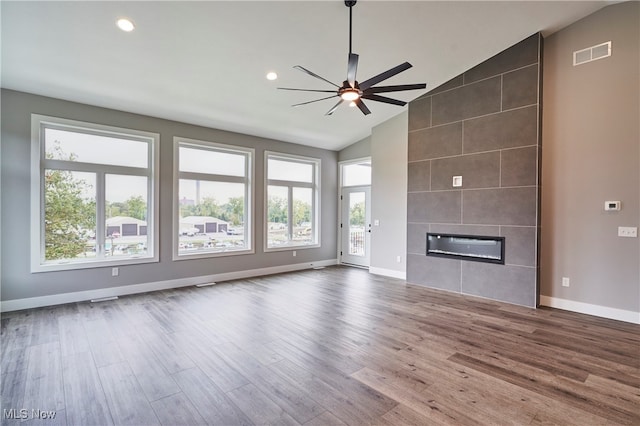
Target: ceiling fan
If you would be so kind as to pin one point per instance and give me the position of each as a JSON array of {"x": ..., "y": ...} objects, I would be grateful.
[{"x": 353, "y": 91}]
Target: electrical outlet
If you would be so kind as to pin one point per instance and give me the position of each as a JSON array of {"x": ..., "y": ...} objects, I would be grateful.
[
  {"x": 627, "y": 231},
  {"x": 398, "y": 259},
  {"x": 294, "y": 253},
  {"x": 565, "y": 281},
  {"x": 115, "y": 272}
]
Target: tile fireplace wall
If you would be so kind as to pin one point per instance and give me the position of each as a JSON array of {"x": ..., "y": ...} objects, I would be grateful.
[{"x": 483, "y": 125}]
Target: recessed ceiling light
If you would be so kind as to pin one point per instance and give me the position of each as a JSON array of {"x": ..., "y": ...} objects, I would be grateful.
[
  {"x": 125, "y": 24},
  {"x": 272, "y": 76}
]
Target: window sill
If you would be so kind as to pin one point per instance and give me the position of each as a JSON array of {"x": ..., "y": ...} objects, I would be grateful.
[{"x": 71, "y": 266}]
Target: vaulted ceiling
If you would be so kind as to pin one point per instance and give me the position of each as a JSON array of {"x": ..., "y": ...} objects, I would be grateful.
[{"x": 205, "y": 62}]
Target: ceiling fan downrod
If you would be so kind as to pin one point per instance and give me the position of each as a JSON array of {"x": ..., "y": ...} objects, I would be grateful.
[{"x": 350, "y": 4}]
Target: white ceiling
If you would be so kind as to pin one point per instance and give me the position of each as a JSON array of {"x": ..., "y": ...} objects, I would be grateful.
[{"x": 205, "y": 62}]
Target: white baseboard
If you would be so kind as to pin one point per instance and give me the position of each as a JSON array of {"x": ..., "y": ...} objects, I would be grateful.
[
  {"x": 589, "y": 309},
  {"x": 80, "y": 296},
  {"x": 402, "y": 275}
]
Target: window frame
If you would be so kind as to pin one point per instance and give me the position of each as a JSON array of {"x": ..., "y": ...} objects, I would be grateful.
[
  {"x": 315, "y": 197},
  {"x": 347, "y": 163},
  {"x": 248, "y": 181},
  {"x": 39, "y": 123}
]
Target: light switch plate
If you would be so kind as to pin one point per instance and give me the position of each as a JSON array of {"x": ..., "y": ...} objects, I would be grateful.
[{"x": 628, "y": 231}]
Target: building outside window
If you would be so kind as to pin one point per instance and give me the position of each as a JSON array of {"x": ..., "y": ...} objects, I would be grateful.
[
  {"x": 213, "y": 198},
  {"x": 93, "y": 195},
  {"x": 292, "y": 201}
]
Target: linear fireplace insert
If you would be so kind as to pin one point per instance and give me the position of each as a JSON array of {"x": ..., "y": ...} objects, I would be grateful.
[{"x": 479, "y": 248}]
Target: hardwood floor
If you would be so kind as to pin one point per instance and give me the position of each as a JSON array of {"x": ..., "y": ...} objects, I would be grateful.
[{"x": 320, "y": 347}]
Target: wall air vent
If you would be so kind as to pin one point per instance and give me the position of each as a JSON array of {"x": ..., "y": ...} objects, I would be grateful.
[{"x": 599, "y": 51}]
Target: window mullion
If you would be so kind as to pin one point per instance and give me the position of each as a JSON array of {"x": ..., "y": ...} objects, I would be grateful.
[
  {"x": 212, "y": 177},
  {"x": 290, "y": 213},
  {"x": 100, "y": 214},
  {"x": 77, "y": 166},
  {"x": 278, "y": 182}
]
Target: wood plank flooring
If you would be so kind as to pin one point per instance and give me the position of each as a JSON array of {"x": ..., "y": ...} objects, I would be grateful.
[{"x": 320, "y": 347}]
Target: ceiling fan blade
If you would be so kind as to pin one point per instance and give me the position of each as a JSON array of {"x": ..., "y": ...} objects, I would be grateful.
[
  {"x": 360, "y": 104},
  {"x": 384, "y": 99},
  {"x": 385, "y": 75},
  {"x": 307, "y": 90},
  {"x": 316, "y": 100},
  {"x": 352, "y": 69},
  {"x": 335, "y": 107},
  {"x": 398, "y": 88},
  {"x": 303, "y": 69}
]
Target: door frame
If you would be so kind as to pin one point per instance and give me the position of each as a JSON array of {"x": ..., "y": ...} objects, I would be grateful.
[{"x": 339, "y": 212}]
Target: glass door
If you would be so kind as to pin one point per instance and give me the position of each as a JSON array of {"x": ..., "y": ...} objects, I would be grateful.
[{"x": 355, "y": 225}]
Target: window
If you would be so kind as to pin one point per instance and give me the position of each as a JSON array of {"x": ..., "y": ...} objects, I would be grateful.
[
  {"x": 212, "y": 199},
  {"x": 356, "y": 173},
  {"x": 292, "y": 201},
  {"x": 93, "y": 195}
]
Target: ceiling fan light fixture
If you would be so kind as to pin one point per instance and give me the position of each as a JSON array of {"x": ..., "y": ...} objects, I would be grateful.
[{"x": 350, "y": 95}]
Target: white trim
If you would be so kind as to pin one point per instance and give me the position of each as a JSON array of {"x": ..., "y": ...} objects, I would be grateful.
[
  {"x": 249, "y": 194},
  {"x": 81, "y": 296},
  {"x": 37, "y": 197},
  {"x": 401, "y": 275},
  {"x": 341, "y": 164},
  {"x": 589, "y": 309},
  {"x": 315, "y": 186}
]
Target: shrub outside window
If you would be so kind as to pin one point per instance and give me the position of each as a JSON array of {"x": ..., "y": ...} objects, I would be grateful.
[
  {"x": 212, "y": 199},
  {"x": 93, "y": 195},
  {"x": 292, "y": 201}
]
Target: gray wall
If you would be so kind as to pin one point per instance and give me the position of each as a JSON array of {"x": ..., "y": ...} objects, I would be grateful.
[
  {"x": 18, "y": 282},
  {"x": 484, "y": 126},
  {"x": 591, "y": 155},
  {"x": 360, "y": 149},
  {"x": 389, "y": 196}
]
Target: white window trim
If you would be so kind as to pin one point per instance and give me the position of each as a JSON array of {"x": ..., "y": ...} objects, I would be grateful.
[
  {"x": 315, "y": 210},
  {"x": 249, "y": 196},
  {"x": 38, "y": 163},
  {"x": 341, "y": 165}
]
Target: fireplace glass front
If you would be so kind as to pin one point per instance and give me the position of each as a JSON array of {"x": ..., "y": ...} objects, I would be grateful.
[{"x": 478, "y": 248}]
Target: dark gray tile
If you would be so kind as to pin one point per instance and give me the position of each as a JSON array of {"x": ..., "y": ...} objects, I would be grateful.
[
  {"x": 441, "y": 141},
  {"x": 504, "y": 206},
  {"x": 420, "y": 113},
  {"x": 489, "y": 230},
  {"x": 451, "y": 84},
  {"x": 510, "y": 129},
  {"x": 519, "y": 167},
  {"x": 520, "y": 245},
  {"x": 417, "y": 238},
  {"x": 419, "y": 176},
  {"x": 517, "y": 56},
  {"x": 513, "y": 284},
  {"x": 434, "y": 207},
  {"x": 520, "y": 87},
  {"x": 435, "y": 272},
  {"x": 477, "y": 171},
  {"x": 465, "y": 102}
]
